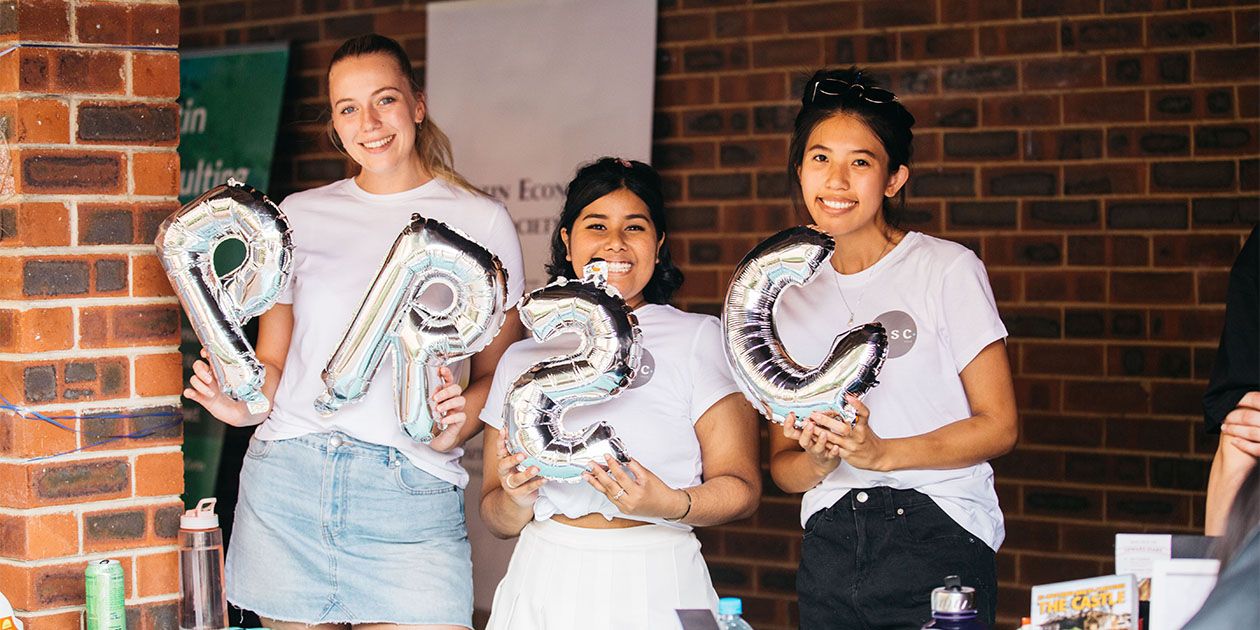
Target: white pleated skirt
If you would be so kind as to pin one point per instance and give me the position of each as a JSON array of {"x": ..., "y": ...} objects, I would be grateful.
[{"x": 571, "y": 578}]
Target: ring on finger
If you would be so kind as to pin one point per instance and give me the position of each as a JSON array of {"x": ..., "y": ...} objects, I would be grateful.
[
  {"x": 620, "y": 493},
  {"x": 508, "y": 482}
]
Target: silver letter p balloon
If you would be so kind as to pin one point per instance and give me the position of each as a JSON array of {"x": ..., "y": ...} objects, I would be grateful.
[
  {"x": 217, "y": 306},
  {"x": 603, "y": 364},
  {"x": 773, "y": 382},
  {"x": 424, "y": 335}
]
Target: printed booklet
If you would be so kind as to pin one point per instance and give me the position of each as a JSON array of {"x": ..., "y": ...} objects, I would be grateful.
[{"x": 1102, "y": 603}]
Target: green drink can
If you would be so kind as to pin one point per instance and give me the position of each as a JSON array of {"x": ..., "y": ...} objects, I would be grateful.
[{"x": 105, "y": 592}]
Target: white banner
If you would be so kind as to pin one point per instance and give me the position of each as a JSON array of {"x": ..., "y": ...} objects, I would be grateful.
[{"x": 527, "y": 90}]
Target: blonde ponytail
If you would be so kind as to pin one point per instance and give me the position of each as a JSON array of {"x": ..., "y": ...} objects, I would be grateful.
[{"x": 434, "y": 149}]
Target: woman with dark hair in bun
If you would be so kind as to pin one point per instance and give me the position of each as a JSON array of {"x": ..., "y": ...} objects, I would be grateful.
[
  {"x": 904, "y": 496},
  {"x": 618, "y": 550}
]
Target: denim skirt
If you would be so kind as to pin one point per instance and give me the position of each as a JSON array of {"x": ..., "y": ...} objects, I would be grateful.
[{"x": 330, "y": 529}]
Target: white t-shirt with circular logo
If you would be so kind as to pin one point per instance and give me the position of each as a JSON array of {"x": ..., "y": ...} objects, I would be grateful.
[
  {"x": 934, "y": 300},
  {"x": 682, "y": 374},
  {"x": 341, "y": 236}
]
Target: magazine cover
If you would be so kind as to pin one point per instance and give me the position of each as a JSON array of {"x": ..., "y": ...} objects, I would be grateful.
[{"x": 1101, "y": 603}]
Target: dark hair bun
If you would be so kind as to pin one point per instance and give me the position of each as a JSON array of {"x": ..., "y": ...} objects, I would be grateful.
[{"x": 852, "y": 92}]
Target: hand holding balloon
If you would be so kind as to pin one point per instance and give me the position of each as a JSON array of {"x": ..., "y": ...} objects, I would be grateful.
[
  {"x": 204, "y": 389},
  {"x": 815, "y": 440},
  {"x": 448, "y": 404},
  {"x": 855, "y": 443},
  {"x": 643, "y": 494},
  {"x": 520, "y": 485},
  {"x": 218, "y": 307}
]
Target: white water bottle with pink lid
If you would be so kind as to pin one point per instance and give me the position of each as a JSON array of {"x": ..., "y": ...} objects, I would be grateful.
[{"x": 202, "y": 597}]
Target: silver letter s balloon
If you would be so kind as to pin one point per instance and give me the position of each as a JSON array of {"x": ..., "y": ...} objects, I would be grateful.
[
  {"x": 771, "y": 380},
  {"x": 218, "y": 307},
  {"x": 428, "y": 254},
  {"x": 604, "y": 363}
]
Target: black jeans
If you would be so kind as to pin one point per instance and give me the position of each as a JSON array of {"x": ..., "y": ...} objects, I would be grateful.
[{"x": 872, "y": 559}]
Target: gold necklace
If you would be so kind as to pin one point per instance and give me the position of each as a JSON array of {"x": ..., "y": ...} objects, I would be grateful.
[{"x": 856, "y": 305}]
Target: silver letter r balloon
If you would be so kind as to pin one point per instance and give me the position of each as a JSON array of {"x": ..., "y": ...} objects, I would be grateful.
[
  {"x": 218, "y": 307},
  {"x": 604, "y": 363},
  {"x": 773, "y": 382},
  {"x": 396, "y": 315}
]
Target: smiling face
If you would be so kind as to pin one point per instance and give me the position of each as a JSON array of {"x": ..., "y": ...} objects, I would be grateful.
[
  {"x": 618, "y": 228},
  {"x": 844, "y": 178},
  {"x": 374, "y": 112}
]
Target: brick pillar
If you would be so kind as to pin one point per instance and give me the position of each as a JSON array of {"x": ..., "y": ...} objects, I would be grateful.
[{"x": 88, "y": 324}]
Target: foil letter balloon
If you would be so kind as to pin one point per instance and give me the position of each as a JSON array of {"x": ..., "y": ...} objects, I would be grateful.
[
  {"x": 604, "y": 363},
  {"x": 217, "y": 306},
  {"x": 396, "y": 314},
  {"x": 771, "y": 380}
]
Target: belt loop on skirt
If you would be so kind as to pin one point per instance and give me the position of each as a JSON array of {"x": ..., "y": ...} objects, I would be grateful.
[
  {"x": 886, "y": 495},
  {"x": 393, "y": 457}
]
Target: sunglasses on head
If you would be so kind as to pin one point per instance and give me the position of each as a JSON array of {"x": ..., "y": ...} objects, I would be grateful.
[{"x": 827, "y": 89}]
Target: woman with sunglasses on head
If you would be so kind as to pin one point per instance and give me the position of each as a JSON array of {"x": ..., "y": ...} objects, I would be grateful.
[
  {"x": 617, "y": 550},
  {"x": 904, "y": 496},
  {"x": 345, "y": 520}
]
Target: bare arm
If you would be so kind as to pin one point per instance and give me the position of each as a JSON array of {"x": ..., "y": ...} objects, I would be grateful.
[
  {"x": 800, "y": 458},
  {"x": 990, "y": 432},
  {"x": 732, "y": 474},
  {"x": 507, "y": 495},
  {"x": 1235, "y": 457},
  {"x": 727, "y": 433},
  {"x": 275, "y": 330}
]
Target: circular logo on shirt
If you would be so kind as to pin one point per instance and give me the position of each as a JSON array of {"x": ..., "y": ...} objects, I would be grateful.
[
  {"x": 902, "y": 332},
  {"x": 647, "y": 367}
]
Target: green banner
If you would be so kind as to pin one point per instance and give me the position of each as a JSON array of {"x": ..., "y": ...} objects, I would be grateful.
[{"x": 229, "y": 101}]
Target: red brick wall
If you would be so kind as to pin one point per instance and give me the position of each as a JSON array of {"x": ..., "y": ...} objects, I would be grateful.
[
  {"x": 1100, "y": 155},
  {"x": 88, "y": 325}
]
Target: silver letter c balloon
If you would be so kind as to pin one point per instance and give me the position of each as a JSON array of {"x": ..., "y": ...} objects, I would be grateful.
[
  {"x": 217, "y": 306},
  {"x": 424, "y": 337},
  {"x": 604, "y": 363},
  {"x": 771, "y": 380}
]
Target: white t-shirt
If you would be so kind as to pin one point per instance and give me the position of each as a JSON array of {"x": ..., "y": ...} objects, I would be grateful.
[
  {"x": 682, "y": 374},
  {"x": 933, "y": 297},
  {"x": 341, "y": 236}
]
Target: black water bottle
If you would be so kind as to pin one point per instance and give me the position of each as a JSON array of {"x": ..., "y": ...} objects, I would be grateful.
[{"x": 954, "y": 607}]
